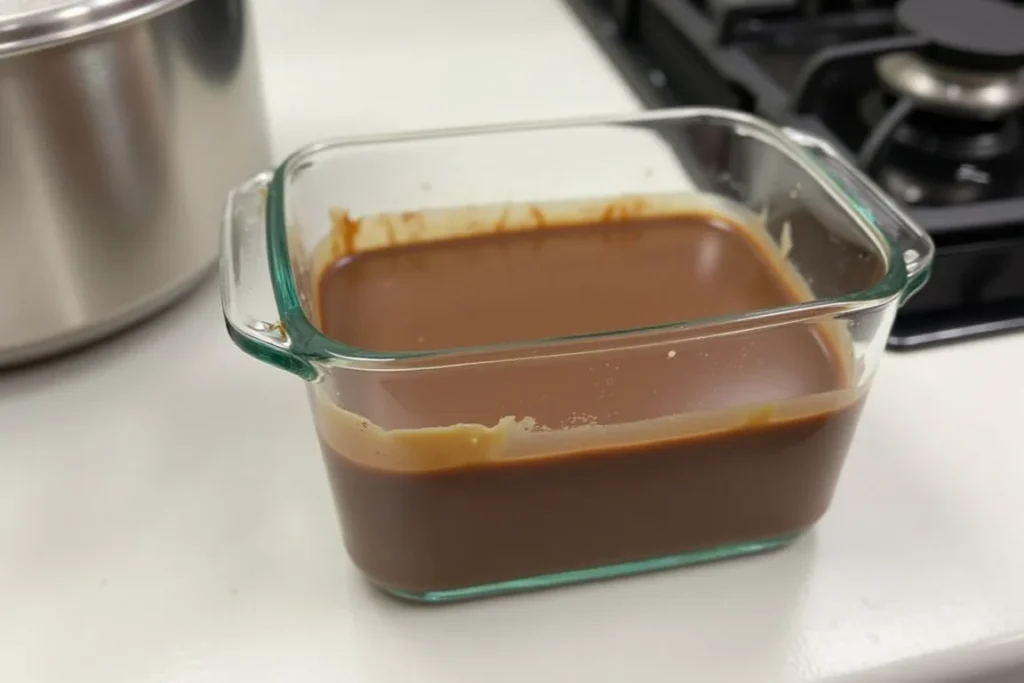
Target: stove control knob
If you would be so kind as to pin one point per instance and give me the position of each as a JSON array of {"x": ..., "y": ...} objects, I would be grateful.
[{"x": 972, "y": 35}]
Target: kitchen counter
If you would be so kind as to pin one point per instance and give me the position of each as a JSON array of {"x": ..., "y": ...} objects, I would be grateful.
[{"x": 164, "y": 515}]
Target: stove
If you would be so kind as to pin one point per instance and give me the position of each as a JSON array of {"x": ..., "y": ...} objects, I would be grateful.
[{"x": 926, "y": 96}]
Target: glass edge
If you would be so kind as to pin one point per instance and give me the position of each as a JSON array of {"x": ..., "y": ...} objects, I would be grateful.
[
  {"x": 896, "y": 278},
  {"x": 309, "y": 343}
]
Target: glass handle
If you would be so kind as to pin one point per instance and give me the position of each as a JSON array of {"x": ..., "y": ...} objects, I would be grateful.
[
  {"x": 246, "y": 291},
  {"x": 914, "y": 243}
]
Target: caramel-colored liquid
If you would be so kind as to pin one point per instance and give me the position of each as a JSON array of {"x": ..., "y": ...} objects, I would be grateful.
[{"x": 604, "y": 460}]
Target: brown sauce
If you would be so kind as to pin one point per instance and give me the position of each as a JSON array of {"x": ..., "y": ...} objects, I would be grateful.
[{"x": 469, "y": 476}]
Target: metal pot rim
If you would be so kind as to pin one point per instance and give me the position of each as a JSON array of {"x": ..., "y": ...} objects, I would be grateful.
[{"x": 33, "y": 30}]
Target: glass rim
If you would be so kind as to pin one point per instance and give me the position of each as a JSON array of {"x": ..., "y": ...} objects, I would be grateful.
[{"x": 308, "y": 342}]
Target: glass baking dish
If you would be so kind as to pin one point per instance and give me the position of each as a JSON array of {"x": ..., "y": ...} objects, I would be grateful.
[{"x": 440, "y": 499}]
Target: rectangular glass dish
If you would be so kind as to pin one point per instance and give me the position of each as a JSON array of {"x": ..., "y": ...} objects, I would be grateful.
[{"x": 715, "y": 424}]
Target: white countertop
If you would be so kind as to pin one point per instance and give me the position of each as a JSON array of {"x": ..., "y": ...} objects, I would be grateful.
[{"x": 164, "y": 515}]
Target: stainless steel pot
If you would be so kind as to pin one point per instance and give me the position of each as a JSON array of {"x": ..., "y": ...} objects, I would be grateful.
[{"x": 122, "y": 126}]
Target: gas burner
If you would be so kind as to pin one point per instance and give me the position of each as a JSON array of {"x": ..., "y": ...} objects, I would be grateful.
[
  {"x": 958, "y": 139},
  {"x": 962, "y": 93},
  {"x": 937, "y": 182},
  {"x": 929, "y": 159},
  {"x": 981, "y": 36},
  {"x": 950, "y": 104},
  {"x": 927, "y": 95}
]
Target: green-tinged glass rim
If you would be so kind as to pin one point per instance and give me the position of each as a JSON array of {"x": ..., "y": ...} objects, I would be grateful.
[{"x": 308, "y": 343}]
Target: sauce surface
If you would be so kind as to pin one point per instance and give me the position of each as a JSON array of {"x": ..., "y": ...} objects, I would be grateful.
[
  {"x": 545, "y": 283},
  {"x": 468, "y": 502}
]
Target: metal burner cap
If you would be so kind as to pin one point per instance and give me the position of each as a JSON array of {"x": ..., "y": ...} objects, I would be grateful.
[
  {"x": 975, "y": 35},
  {"x": 942, "y": 89}
]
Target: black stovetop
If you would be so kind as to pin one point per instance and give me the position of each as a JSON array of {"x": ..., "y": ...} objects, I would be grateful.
[{"x": 812, "y": 65}]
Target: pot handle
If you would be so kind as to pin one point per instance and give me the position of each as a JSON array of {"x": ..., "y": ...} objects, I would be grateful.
[
  {"x": 246, "y": 291},
  {"x": 914, "y": 243}
]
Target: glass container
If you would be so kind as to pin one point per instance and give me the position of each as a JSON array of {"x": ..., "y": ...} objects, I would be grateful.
[{"x": 448, "y": 482}]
